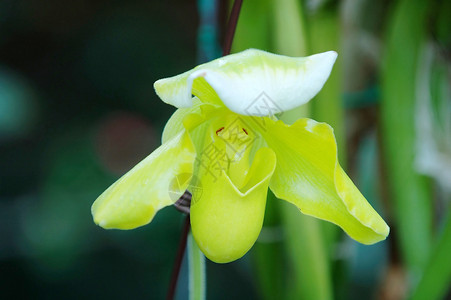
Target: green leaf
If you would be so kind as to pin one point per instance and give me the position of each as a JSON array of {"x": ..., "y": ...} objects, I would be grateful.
[
  {"x": 437, "y": 275},
  {"x": 410, "y": 192}
]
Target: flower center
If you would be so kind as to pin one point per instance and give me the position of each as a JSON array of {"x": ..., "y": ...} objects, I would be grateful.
[
  {"x": 219, "y": 130},
  {"x": 236, "y": 140},
  {"x": 222, "y": 128},
  {"x": 227, "y": 149}
]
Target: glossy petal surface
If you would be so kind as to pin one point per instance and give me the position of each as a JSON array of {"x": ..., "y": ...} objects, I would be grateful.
[
  {"x": 226, "y": 216},
  {"x": 252, "y": 82},
  {"x": 157, "y": 181},
  {"x": 309, "y": 176}
]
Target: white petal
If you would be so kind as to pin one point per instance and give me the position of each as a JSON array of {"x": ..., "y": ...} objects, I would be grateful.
[{"x": 252, "y": 82}]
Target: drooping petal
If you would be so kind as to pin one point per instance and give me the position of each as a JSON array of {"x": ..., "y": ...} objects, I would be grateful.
[
  {"x": 226, "y": 220},
  {"x": 157, "y": 181},
  {"x": 252, "y": 82},
  {"x": 309, "y": 176}
]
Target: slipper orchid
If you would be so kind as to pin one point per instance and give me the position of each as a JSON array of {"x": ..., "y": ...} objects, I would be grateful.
[{"x": 226, "y": 146}]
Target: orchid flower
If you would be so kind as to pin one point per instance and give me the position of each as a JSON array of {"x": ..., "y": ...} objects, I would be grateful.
[{"x": 226, "y": 146}]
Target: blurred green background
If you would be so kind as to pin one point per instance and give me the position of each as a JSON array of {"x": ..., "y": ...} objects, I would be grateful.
[{"x": 78, "y": 109}]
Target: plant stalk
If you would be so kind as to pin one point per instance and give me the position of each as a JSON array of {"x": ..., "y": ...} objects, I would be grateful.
[{"x": 231, "y": 28}]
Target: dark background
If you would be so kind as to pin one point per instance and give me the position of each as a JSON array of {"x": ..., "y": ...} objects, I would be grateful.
[{"x": 78, "y": 109}]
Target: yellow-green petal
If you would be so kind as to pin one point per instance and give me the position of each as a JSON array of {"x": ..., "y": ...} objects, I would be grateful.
[
  {"x": 157, "y": 181},
  {"x": 309, "y": 176},
  {"x": 252, "y": 82},
  {"x": 176, "y": 122},
  {"x": 226, "y": 220}
]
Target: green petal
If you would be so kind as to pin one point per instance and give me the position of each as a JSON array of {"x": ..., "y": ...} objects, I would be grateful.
[
  {"x": 175, "y": 123},
  {"x": 308, "y": 175},
  {"x": 157, "y": 181},
  {"x": 225, "y": 220},
  {"x": 195, "y": 119},
  {"x": 252, "y": 82}
]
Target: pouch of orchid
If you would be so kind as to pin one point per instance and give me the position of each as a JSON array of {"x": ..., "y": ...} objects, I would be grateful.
[{"x": 227, "y": 147}]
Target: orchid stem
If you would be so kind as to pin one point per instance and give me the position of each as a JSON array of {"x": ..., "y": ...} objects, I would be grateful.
[
  {"x": 231, "y": 27},
  {"x": 178, "y": 259},
  {"x": 196, "y": 267}
]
